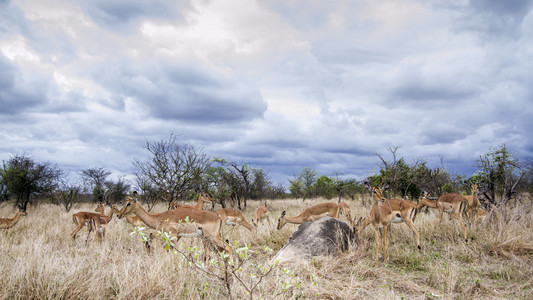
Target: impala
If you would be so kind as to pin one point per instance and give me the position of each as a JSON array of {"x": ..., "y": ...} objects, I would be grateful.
[
  {"x": 202, "y": 198},
  {"x": 403, "y": 211},
  {"x": 454, "y": 204},
  {"x": 82, "y": 218},
  {"x": 6, "y": 223},
  {"x": 99, "y": 224},
  {"x": 311, "y": 214},
  {"x": 473, "y": 203},
  {"x": 261, "y": 213},
  {"x": 132, "y": 219},
  {"x": 181, "y": 222},
  {"x": 380, "y": 216},
  {"x": 346, "y": 212},
  {"x": 233, "y": 217},
  {"x": 481, "y": 215}
]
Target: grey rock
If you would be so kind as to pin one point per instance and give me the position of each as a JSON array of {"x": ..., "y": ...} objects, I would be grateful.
[{"x": 326, "y": 236}]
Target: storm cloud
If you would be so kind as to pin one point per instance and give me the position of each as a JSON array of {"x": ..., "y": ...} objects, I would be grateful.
[{"x": 280, "y": 85}]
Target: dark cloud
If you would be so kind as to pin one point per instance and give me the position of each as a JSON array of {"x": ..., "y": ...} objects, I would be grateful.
[
  {"x": 12, "y": 19},
  {"x": 182, "y": 92},
  {"x": 495, "y": 18},
  {"x": 125, "y": 15},
  {"x": 17, "y": 93}
]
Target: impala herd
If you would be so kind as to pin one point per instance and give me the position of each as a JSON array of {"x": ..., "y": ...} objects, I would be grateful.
[{"x": 193, "y": 221}]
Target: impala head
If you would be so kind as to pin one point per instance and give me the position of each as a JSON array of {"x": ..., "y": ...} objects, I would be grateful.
[
  {"x": 356, "y": 226},
  {"x": 281, "y": 220},
  {"x": 128, "y": 207},
  {"x": 205, "y": 197},
  {"x": 100, "y": 208},
  {"x": 377, "y": 194},
  {"x": 474, "y": 189}
]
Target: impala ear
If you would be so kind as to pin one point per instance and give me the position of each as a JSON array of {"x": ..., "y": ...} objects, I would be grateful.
[
  {"x": 282, "y": 214},
  {"x": 385, "y": 186},
  {"x": 368, "y": 186}
]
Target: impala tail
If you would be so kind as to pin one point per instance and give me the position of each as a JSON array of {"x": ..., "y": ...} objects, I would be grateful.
[{"x": 414, "y": 213}]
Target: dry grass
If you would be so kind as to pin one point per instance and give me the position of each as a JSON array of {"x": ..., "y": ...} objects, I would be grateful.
[{"x": 40, "y": 261}]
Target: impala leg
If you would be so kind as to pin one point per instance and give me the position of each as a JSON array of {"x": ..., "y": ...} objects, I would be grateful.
[
  {"x": 376, "y": 236},
  {"x": 414, "y": 230},
  {"x": 386, "y": 243},
  {"x": 78, "y": 228}
]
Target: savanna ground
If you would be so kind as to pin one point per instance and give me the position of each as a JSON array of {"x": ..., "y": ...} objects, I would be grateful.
[{"x": 39, "y": 261}]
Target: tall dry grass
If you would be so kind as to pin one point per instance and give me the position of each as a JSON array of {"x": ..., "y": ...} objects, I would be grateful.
[{"x": 39, "y": 260}]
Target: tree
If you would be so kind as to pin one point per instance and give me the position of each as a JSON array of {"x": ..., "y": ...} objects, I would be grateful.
[
  {"x": 115, "y": 191},
  {"x": 303, "y": 183},
  {"x": 499, "y": 175},
  {"x": 148, "y": 193},
  {"x": 325, "y": 187},
  {"x": 260, "y": 183},
  {"x": 172, "y": 167},
  {"x": 24, "y": 178},
  {"x": 296, "y": 187},
  {"x": 94, "y": 179},
  {"x": 67, "y": 194}
]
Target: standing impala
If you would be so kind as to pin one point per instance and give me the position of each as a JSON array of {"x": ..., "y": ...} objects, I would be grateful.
[
  {"x": 99, "y": 224},
  {"x": 6, "y": 223},
  {"x": 473, "y": 204},
  {"x": 311, "y": 214},
  {"x": 181, "y": 222},
  {"x": 407, "y": 211},
  {"x": 380, "y": 217},
  {"x": 82, "y": 218}
]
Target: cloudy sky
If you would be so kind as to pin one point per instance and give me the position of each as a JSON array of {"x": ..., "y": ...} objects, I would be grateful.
[{"x": 276, "y": 84}]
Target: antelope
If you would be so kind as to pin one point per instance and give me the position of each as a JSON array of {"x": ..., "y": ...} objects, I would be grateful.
[
  {"x": 407, "y": 212},
  {"x": 202, "y": 198},
  {"x": 233, "y": 217},
  {"x": 99, "y": 224},
  {"x": 6, "y": 223},
  {"x": 82, "y": 218},
  {"x": 481, "y": 215},
  {"x": 311, "y": 214},
  {"x": 346, "y": 212},
  {"x": 181, "y": 222},
  {"x": 381, "y": 216},
  {"x": 132, "y": 219},
  {"x": 454, "y": 204},
  {"x": 473, "y": 204},
  {"x": 261, "y": 213}
]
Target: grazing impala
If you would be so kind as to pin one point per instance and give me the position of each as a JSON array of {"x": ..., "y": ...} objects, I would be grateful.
[
  {"x": 311, "y": 214},
  {"x": 380, "y": 217},
  {"x": 233, "y": 217},
  {"x": 345, "y": 211},
  {"x": 132, "y": 219},
  {"x": 261, "y": 213},
  {"x": 481, "y": 215},
  {"x": 454, "y": 204},
  {"x": 202, "y": 198},
  {"x": 181, "y": 222},
  {"x": 6, "y": 223}
]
